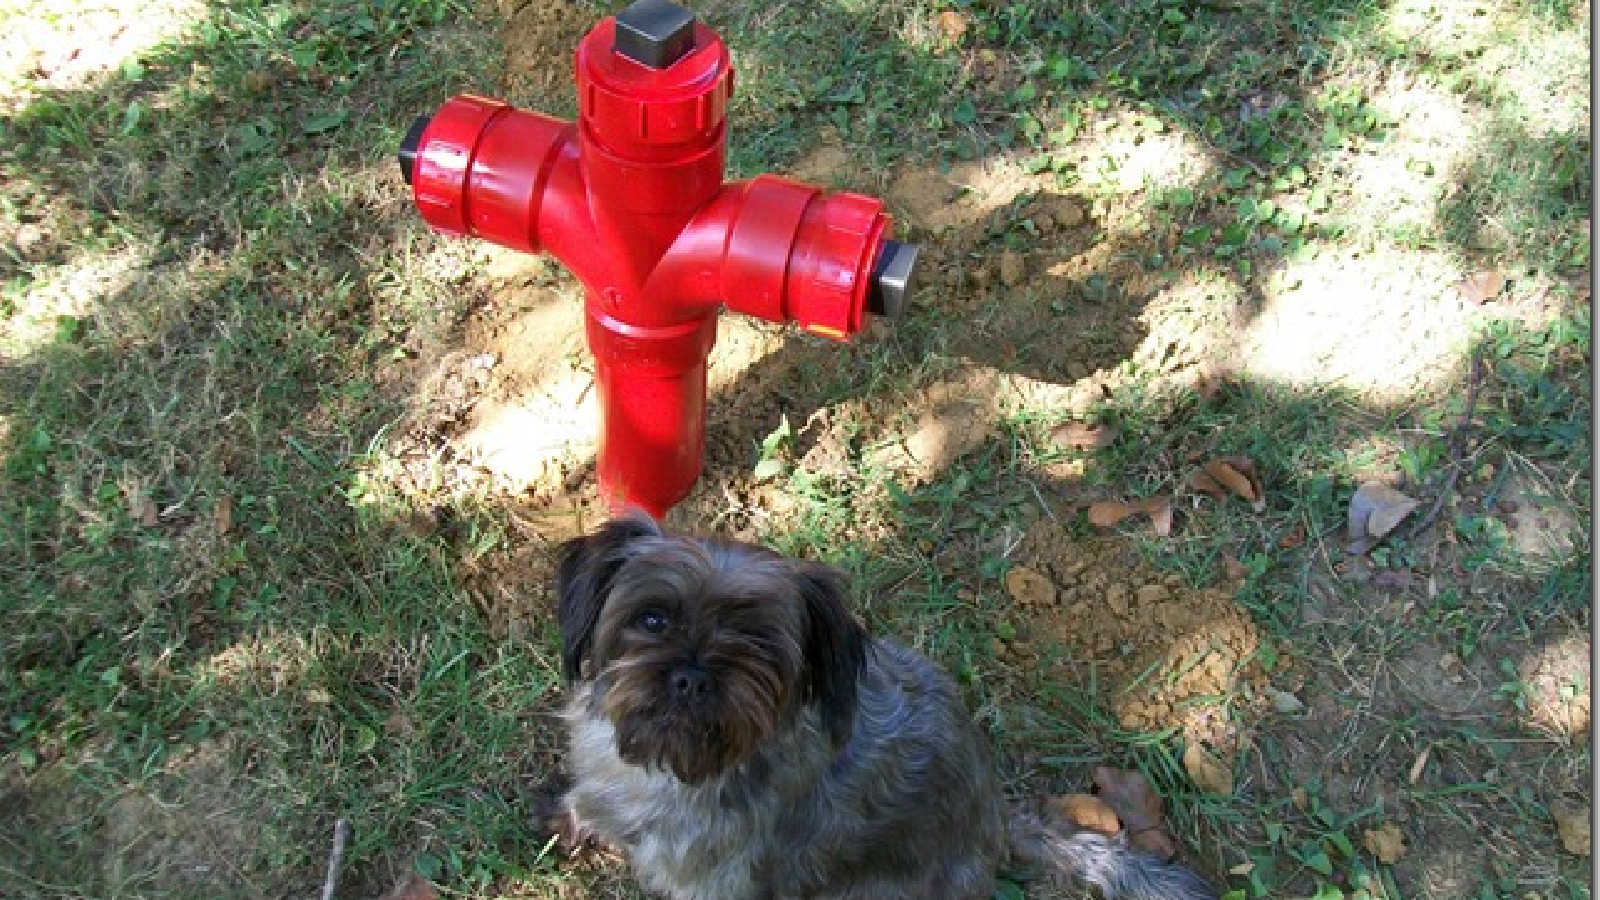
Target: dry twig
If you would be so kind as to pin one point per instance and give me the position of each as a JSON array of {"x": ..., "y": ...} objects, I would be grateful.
[{"x": 1456, "y": 445}]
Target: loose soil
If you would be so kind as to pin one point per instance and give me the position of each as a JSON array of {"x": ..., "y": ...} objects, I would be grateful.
[{"x": 1165, "y": 654}]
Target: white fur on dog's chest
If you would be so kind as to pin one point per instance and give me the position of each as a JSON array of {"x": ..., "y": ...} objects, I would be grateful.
[{"x": 681, "y": 839}]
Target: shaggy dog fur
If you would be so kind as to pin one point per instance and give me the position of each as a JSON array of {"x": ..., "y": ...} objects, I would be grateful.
[{"x": 737, "y": 734}]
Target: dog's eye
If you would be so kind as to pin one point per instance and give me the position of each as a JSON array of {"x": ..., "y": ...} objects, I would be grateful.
[{"x": 652, "y": 620}]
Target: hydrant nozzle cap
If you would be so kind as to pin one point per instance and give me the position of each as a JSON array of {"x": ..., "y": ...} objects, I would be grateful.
[
  {"x": 655, "y": 33},
  {"x": 409, "y": 145},
  {"x": 892, "y": 279}
]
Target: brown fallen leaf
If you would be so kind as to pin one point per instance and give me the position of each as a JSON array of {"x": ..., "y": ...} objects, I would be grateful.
[
  {"x": 1230, "y": 478},
  {"x": 1572, "y": 826},
  {"x": 1235, "y": 570},
  {"x": 1029, "y": 588},
  {"x": 1085, "y": 811},
  {"x": 1247, "y": 467},
  {"x": 1107, "y": 513},
  {"x": 1481, "y": 287},
  {"x": 1239, "y": 475},
  {"x": 1079, "y": 436},
  {"x": 1160, "y": 510},
  {"x": 1205, "y": 484},
  {"x": 222, "y": 515},
  {"x": 1139, "y": 808},
  {"x": 1386, "y": 517},
  {"x": 1206, "y": 771},
  {"x": 1375, "y": 509},
  {"x": 1386, "y": 842}
]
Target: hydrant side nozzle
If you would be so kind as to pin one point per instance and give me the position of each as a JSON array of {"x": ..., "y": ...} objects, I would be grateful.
[
  {"x": 892, "y": 279},
  {"x": 409, "y": 144}
]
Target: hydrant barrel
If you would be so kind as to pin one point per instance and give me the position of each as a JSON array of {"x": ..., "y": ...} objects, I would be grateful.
[
  {"x": 652, "y": 388},
  {"x": 631, "y": 198}
]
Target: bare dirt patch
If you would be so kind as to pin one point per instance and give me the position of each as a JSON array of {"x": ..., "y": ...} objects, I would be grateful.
[
  {"x": 1558, "y": 690},
  {"x": 1163, "y": 654},
  {"x": 65, "y": 52},
  {"x": 539, "y": 39}
]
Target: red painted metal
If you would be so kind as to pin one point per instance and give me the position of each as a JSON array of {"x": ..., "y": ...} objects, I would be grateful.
[{"x": 631, "y": 198}]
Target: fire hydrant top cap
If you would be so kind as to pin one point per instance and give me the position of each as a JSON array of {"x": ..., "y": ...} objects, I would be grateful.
[
  {"x": 656, "y": 33},
  {"x": 630, "y": 102}
]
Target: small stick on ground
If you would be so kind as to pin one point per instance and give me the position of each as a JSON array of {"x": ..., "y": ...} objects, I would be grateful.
[
  {"x": 1456, "y": 444},
  {"x": 341, "y": 836}
]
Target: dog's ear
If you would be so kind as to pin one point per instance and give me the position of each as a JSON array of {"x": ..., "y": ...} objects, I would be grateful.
[
  {"x": 584, "y": 571},
  {"x": 835, "y": 647}
]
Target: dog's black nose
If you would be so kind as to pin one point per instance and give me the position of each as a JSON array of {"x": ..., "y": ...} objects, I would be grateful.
[{"x": 690, "y": 682}]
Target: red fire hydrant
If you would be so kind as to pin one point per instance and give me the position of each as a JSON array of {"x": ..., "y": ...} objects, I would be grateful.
[{"x": 631, "y": 199}]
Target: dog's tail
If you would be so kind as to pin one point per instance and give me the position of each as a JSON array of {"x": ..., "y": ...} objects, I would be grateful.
[{"x": 1105, "y": 861}]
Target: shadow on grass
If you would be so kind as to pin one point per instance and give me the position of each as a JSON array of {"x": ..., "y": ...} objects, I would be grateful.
[
  {"x": 329, "y": 652},
  {"x": 213, "y": 653},
  {"x": 1524, "y": 198}
]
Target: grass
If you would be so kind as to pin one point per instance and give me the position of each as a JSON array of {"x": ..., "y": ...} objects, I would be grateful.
[{"x": 241, "y": 605}]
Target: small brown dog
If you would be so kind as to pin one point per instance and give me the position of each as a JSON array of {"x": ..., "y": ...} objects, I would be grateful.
[{"x": 736, "y": 733}]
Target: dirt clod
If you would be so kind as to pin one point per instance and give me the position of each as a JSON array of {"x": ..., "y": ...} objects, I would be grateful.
[
  {"x": 1207, "y": 772},
  {"x": 1165, "y": 654},
  {"x": 1386, "y": 842},
  {"x": 923, "y": 196},
  {"x": 957, "y": 416},
  {"x": 29, "y": 238},
  {"x": 1572, "y": 826},
  {"x": 1012, "y": 268},
  {"x": 1029, "y": 588},
  {"x": 539, "y": 38},
  {"x": 952, "y": 25},
  {"x": 1481, "y": 287},
  {"x": 1067, "y": 212}
]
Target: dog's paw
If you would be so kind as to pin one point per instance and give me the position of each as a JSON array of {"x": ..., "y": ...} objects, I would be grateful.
[{"x": 556, "y": 824}]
